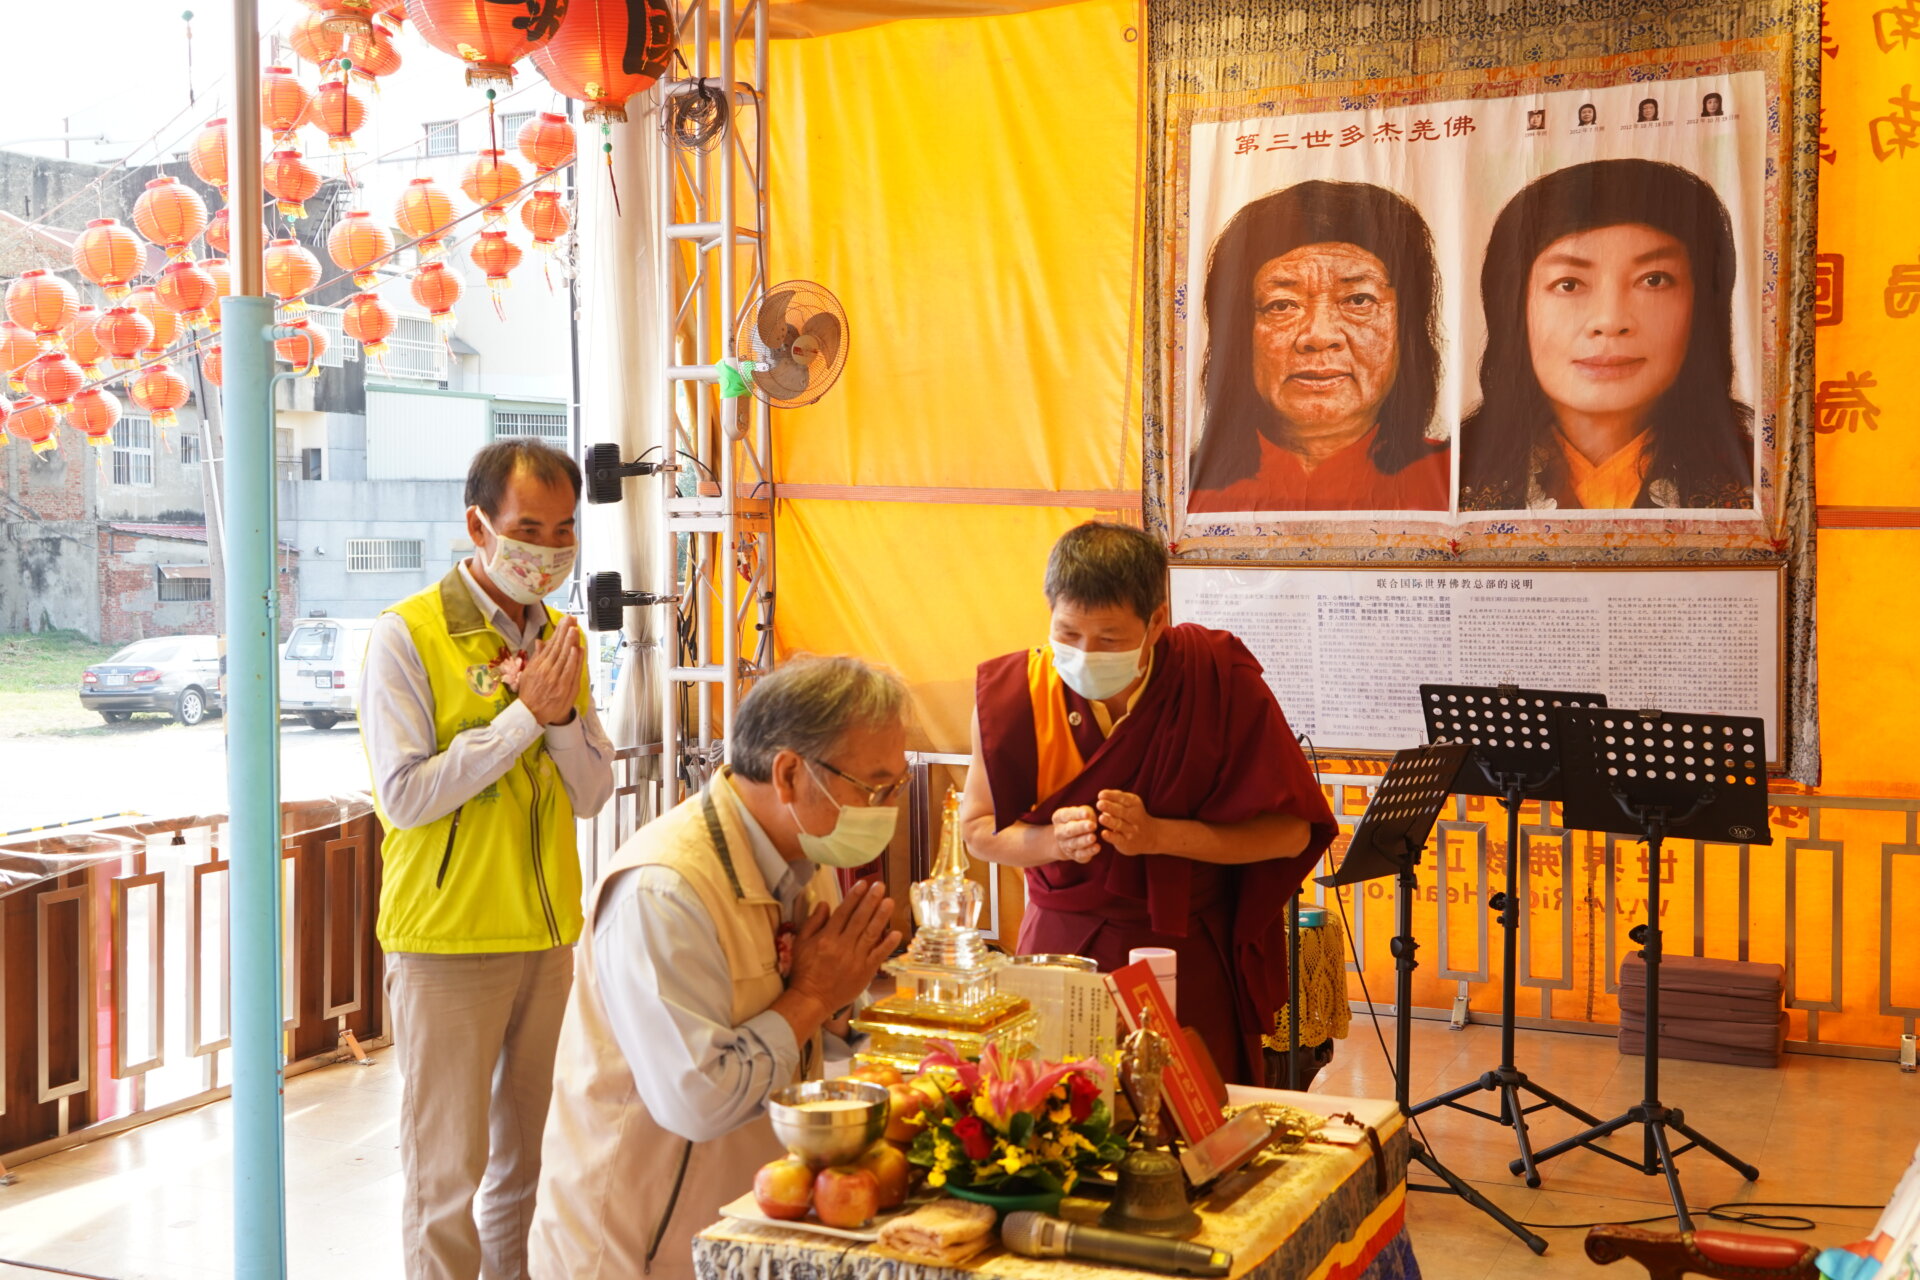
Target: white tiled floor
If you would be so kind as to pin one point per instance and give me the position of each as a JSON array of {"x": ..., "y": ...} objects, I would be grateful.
[{"x": 154, "y": 1202}]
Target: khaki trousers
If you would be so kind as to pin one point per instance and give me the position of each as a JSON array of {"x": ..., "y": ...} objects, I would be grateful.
[{"x": 475, "y": 1036}]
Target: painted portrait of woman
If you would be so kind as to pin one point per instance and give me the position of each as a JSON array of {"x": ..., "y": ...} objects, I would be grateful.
[
  {"x": 1322, "y": 364},
  {"x": 1607, "y": 381}
]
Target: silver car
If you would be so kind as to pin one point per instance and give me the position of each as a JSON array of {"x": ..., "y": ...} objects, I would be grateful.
[{"x": 180, "y": 675}]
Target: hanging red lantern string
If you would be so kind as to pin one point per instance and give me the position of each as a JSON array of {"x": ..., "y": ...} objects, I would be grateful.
[
  {"x": 369, "y": 322},
  {"x": 437, "y": 289},
  {"x": 302, "y": 350},
  {"x": 547, "y": 142},
  {"x": 591, "y": 58},
  {"x": 109, "y": 255},
  {"x": 54, "y": 378},
  {"x": 488, "y": 37},
  {"x": 161, "y": 392},
  {"x": 187, "y": 291},
  {"x": 17, "y": 346},
  {"x": 125, "y": 333},
  {"x": 94, "y": 413},
  {"x": 42, "y": 303},
  {"x": 207, "y": 155},
  {"x": 166, "y": 325},
  {"x": 170, "y": 215},
  {"x": 423, "y": 213},
  {"x": 291, "y": 181},
  {"x": 357, "y": 243},
  {"x": 339, "y": 113},
  {"x": 216, "y": 269},
  {"x": 83, "y": 344},
  {"x": 490, "y": 180},
  {"x": 210, "y": 367},
  {"x": 35, "y": 423},
  {"x": 496, "y": 256},
  {"x": 291, "y": 271},
  {"x": 372, "y": 57},
  {"x": 546, "y": 218},
  {"x": 283, "y": 103},
  {"x": 312, "y": 40}
]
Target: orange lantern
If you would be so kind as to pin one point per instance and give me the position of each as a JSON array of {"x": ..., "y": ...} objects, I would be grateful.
[
  {"x": 93, "y": 414},
  {"x": 292, "y": 181},
  {"x": 546, "y": 218},
  {"x": 83, "y": 344},
  {"x": 42, "y": 303},
  {"x": 17, "y": 346},
  {"x": 125, "y": 333},
  {"x": 160, "y": 391},
  {"x": 313, "y": 41},
  {"x": 170, "y": 214},
  {"x": 210, "y": 366},
  {"x": 372, "y": 56},
  {"x": 304, "y": 349},
  {"x": 424, "y": 212},
  {"x": 35, "y": 423},
  {"x": 597, "y": 58},
  {"x": 207, "y": 155},
  {"x": 369, "y": 322},
  {"x": 357, "y": 243},
  {"x": 490, "y": 180},
  {"x": 291, "y": 270},
  {"x": 348, "y": 17},
  {"x": 437, "y": 289},
  {"x": 339, "y": 113},
  {"x": 547, "y": 141},
  {"x": 219, "y": 233},
  {"x": 53, "y": 377},
  {"x": 489, "y": 37},
  {"x": 187, "y": 291},
  {"x": 5, "y": 410},
  {"x": 283, "y": 102},
  {"x": 216, "y": 269},
  {"x": 166, "y": 325},
  {"x": 109, "y": 255},
  {"x": 496, "y": 256}
]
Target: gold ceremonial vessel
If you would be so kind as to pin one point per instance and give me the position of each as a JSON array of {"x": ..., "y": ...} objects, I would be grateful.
[
  {"x": 828, "y": 1122},
  {"x": 945, "y": 984}
]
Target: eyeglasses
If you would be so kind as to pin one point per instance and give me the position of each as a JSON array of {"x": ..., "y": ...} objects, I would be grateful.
[{"x": 876, "y": 796}]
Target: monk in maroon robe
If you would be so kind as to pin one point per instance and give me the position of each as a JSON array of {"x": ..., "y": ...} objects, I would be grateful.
[{"x": 1146, "y": 779}]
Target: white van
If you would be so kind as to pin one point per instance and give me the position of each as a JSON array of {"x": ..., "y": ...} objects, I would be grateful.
[{"x": 320, "y": 668}]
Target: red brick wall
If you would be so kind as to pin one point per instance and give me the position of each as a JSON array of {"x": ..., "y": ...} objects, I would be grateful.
[{"x": 129, "y": 594}]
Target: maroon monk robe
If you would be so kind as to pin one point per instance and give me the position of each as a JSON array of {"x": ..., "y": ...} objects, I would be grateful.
[{"x": 1206, "y": 741}]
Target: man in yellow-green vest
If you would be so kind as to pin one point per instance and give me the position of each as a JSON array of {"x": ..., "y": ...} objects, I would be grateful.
[{"x": 484, "y": 748}]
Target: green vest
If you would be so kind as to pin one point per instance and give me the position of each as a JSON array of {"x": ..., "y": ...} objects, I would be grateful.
[{"x": 501, "y": 872}]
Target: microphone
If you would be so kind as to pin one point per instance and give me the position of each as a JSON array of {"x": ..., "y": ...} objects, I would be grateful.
[{"x": 1035, "y": 1235}]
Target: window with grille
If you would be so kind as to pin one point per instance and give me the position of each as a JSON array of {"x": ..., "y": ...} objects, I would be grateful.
[
  {"x": 133, "y": 452},
  {"x": 382, "y": 555},
  {"x": 416, "y": 353},
  {"x": 189, "y": 448},
  {"x": 184, "y": 590},
  {"x": 510, "y": 123},
  {"x": 340, "y": 348},
  {"x": 443, "y": 137},
  {"x": 550, "y": 427}
]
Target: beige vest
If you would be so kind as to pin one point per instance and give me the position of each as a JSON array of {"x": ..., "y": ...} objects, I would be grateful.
[{"x": 615, "y": 1186}]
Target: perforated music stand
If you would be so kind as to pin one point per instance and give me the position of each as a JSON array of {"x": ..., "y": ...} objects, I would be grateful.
[
  {"x": 1388, "y": 842},
  {"x": 1516, "y": 757},
  {"x": 1654, "y": 774}
]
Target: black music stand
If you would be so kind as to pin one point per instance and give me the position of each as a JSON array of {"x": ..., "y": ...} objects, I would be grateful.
[
  {"x": 1388, "y": 842},
  {"x": 1516, "y": 757},
  {"x": 1654, "y": 774}
]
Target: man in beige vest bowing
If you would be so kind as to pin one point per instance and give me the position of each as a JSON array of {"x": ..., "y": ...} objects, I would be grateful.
[{"x": 716, "y": 953}]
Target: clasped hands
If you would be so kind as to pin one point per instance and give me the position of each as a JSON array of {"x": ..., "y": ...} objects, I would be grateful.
[
  {"x": 1118, "y": 817},
  {"x": 551, "y": 679}
]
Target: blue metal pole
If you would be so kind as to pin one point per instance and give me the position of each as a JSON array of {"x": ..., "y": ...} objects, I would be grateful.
[{"x": 253, "y": 699}]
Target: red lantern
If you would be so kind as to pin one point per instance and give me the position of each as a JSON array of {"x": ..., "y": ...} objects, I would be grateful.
[
  {"x": 210, "y": 365},
  {"x": 53, "y": 377},
  {"x": 348, "y": 17},
  {"x": 170, "y": 215},
  {"x": 41, "y": 302},
  {"x": 166, "y": 325},
  {"x": 109, "y": 255},
  {"x": 292, "y": 181},
  {"x": 283, "y": 102},
  {"x": 591, "y": 59},
  {"x": 437, "y": 289},
  {"x": 487, "y": 36},
  {"x": 219, "y": 233},
  {"x": 216, "y": 269},
  {"x": 35, "y": 423},
  {"x": 339, "y": 113},
  {"x": 187, "y": 291},
  {"x": 546, "y": 218},
  {"x": 207, "y": 154},
  {"x": 125, "y": 333},
  {"x": 547, "y": 141},
  {"x": 424, "y": 213},
  {"x": 93, "y": 414},
  {"x": 160, "y": 391},
  {"x": 312, "y": 41},
  {"x": 17, "y": 346},
  {"x": 496, "y": 256},
  {"x": 302, "y": 351},
  {"x": 372, "y": 56},
  {"x": 83, "y": 344},
  {"x": 357, "y": 243},
  {"x": 6, "y": 411},
  {"x": 490, "y": 180},
  {"x": 291, "y": 271},
  {"x": 369, "y": 322}
]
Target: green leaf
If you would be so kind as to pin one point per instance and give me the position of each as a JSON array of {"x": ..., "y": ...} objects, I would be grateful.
[{"x": 1020, "y": 1128}]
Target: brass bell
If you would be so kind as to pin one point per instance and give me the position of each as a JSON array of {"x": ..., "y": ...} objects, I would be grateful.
[{"x": 1152, "y": 1197}]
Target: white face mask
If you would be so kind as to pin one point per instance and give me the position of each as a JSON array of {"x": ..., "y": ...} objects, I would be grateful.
[
  {"x": 859, "y": 835},
  {"x": 527, "y": 573},
  {"x": 1096, "y": 675}
]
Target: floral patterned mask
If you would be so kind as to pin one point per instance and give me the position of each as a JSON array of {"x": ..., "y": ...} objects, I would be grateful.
[{"x": 527, "y": 573}]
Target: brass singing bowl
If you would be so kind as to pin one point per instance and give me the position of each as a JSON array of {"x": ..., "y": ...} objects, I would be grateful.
[{"x": 828, "y": 1136}]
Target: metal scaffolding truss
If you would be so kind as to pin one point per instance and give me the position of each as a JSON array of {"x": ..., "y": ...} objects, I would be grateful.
[{"x": 717, "y": 552}]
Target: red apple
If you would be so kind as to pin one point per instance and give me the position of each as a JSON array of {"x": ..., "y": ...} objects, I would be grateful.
[
  {"x": 846, "y": 1196},
  {"x": 875, "y": 1073},
  {"x": 905, "y": 1113},
  {"x": 888, "y": 1165},
  {"x": 928, "y": 1087},
  {"x": 783, "y": 1189}
]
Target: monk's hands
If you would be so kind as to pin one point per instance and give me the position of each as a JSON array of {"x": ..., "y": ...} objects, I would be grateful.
[
  {"x": 1126, "y": 825},
  {"x": 835, "y": 956},
  {"x": 551, "y": 679},
  {"x": 1076, "y": 833}
]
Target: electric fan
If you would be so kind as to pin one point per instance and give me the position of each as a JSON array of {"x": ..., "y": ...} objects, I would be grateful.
[{"x": 793, "y": 345}]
